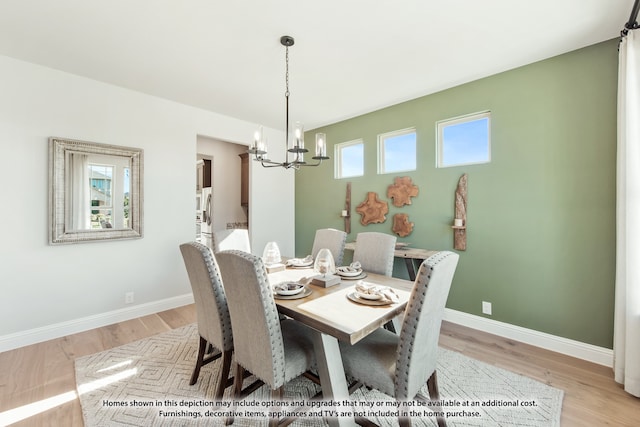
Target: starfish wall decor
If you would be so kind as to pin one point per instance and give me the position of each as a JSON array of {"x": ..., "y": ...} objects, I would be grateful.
[
  {"x": 401, "y": 191},
  {"x": 401, "y": 225},
  {"x": 372, "y": 210}
]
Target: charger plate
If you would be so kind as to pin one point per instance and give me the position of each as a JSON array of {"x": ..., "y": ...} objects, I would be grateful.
[
  {"x": 361, "y": 276},
  {"x": 353, "y": 296},
  {"x": 302, "y": 294}
]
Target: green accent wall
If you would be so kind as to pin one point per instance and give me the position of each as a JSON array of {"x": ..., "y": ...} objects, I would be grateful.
[{"x": 540, "y": 216}]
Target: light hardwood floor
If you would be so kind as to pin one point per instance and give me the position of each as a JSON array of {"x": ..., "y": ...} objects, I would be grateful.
[{"x": 42, "y": 372}]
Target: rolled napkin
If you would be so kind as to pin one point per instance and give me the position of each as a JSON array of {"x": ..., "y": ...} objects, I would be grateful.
[
  {"x": 355, "y": 265},
  {"x": 300, "y": 261},
  {"x": 349, "y": 269},
  {"x": 385, "y": 292},
  {"x": 288, "y": 288}
]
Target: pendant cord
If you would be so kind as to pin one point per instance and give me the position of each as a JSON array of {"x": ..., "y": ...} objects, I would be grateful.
[{"x": 286, "y": 95}]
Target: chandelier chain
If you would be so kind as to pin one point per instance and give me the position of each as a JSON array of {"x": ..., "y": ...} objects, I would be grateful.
[{"x": 287, "y": 71}]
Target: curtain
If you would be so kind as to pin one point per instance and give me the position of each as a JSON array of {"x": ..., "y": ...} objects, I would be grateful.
[
  {"x": 80, "y": 194},
  {"x": 626, "y": 337}
]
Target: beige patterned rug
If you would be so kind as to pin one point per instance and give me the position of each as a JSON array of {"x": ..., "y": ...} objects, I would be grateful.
[{"x": 146, "y": 383}]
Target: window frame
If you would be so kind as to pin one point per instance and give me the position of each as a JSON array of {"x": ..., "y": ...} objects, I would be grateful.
[
  {"x": 442, "y": 124},
  {"x": 381, "y": 152},
  {"x": 337, "y": 151}
]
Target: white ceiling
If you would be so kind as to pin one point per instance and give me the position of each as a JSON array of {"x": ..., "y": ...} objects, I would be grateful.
[{"x": 350, "y": 56}]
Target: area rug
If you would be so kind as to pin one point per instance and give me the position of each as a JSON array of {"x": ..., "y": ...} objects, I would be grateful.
[{"x": 146, "y": 383}]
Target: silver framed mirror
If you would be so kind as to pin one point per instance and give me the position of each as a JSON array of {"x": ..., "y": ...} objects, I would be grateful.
[{"x": 95, "y": 191}]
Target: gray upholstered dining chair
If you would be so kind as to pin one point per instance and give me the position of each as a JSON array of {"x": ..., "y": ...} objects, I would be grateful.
[
  {"x": 274, "y": 351},
  {"x": 331, "y": 239},
  {"x": 374, "y": 251},
  {"x": 214, "y": 322},
  {"x": 399, "y": 365},
  {"x": 238, "y": 238}
]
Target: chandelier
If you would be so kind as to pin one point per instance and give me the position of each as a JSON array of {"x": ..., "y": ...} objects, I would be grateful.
[{"x": 294, "y": 147}]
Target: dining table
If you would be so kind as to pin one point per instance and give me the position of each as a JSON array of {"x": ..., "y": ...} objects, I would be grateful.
[{"x": 334, "y": 314}]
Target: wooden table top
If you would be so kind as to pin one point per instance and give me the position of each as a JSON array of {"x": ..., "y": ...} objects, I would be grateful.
[
  {"x": 329, "y": 311},
  {"x": 413, "y": 253}
]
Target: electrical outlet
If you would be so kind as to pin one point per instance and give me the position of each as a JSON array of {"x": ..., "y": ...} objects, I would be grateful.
[
  {"x": 128, "y": 298},
  {"x": 486, "y": 308}
]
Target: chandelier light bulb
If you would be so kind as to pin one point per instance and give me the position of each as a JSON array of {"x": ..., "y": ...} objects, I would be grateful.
[{"x": 321, "y": 146}]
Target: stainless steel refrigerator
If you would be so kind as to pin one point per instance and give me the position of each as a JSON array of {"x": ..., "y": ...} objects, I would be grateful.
[{"x": 206, "y": 225}]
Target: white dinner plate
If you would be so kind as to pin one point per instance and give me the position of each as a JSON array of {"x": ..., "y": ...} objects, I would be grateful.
[
  {"x": 353, "y": 296},
  {"x": 342, "y": 271},
  {"x": 305, "y": 293},
  {"x": 371, "y": 297},
  {"x": 294, "y": 288},
  {"x": 299, "y": 263},
  {"x": 362, "y": 275}
]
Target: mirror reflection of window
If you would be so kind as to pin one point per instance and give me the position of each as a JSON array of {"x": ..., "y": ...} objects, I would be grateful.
[
  {"x": 101, "y": 184},
  {"x": 126, "y": 192},
  {"x": 100, "y": 192},
  {"x": 79, "y": 194}
]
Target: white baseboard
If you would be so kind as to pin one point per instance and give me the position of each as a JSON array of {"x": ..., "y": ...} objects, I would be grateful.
[
  {"x": 589, "y": 352},
  {"x": 592, "y": 353},
  {"x": 45, "y": 333}
]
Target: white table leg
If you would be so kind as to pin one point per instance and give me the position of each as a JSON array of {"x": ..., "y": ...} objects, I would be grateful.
[
  {"x": 397, "y": 323},
  {"x": 331, "y": 371}
]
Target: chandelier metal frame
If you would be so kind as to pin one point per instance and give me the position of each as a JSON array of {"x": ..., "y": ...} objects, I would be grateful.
[{"x": 297, "y": 150}]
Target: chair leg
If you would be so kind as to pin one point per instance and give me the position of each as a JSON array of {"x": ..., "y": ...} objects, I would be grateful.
[
  {"x": 434, "y": 394},
  {"x": 404, "y": 420},
  {"x": 311, "y": 376},
  {"x": 365, "y": 422},
  {"x": 276, "y": 394},
  {"x": 201, "y": 349},
  {"x": 237, "y": 390},
  {"x": 224, "y": 374},
  {"x": 237, "y": 382}
]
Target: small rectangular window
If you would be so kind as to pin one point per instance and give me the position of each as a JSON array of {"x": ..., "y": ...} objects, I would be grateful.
[
  {"x": 349, "y": 159},
  {"x": 464, "y": 140},
  {"x": 397, "y": 151}
]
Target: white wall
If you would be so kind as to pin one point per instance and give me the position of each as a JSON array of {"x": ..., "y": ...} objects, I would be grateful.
[
  {"x": 269, "y": 191},
  {"x": 49, "y": 291}
]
